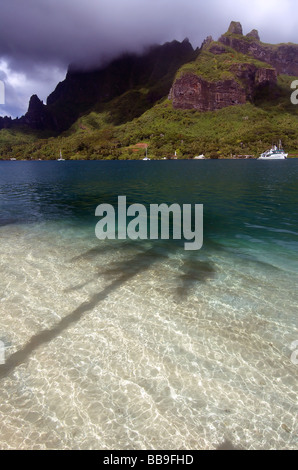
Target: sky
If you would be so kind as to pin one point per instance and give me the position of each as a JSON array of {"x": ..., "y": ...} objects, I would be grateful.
[{"x": 40, "y": 38}]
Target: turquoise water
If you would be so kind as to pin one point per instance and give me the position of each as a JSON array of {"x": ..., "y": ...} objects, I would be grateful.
[{"x": 120, "y": 344}]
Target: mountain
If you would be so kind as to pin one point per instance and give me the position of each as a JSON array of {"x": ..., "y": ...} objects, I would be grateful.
[
  {"x": 84, "y": 90},
  {"x": 233, "y": 70},
  {"x": 221, "y": 78},
  {"x": 231, "y": 96}
]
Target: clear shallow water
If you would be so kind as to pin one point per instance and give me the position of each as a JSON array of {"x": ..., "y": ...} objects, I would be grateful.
[{"x": 142, "y": 345}]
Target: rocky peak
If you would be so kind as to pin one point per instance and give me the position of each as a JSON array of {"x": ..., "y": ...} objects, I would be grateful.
[
  {"x": 283, "y": 57},
  {"x": 35, "y": 104},
  {"x": 37, "y": 116},
  {"x": 5, "y": 122},
  {"x": 207, "y": 42},
  {"x": 224, "y": 79},
  {"x": 235, "y": 28},
  {"x": 253, "y": 34}
]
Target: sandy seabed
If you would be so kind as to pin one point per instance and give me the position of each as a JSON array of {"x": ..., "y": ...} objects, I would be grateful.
[{"x": 111, "y": 345}]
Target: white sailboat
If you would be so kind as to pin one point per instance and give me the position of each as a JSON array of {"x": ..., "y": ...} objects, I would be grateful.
[
  {"x": 146, "y": 158},
  {"x": 61, "y": 159}
]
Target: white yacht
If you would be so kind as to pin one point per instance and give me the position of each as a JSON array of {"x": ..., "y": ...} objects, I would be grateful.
[
  {"x": 200, "y": 157},
  {"x": 275, "y": 153}
]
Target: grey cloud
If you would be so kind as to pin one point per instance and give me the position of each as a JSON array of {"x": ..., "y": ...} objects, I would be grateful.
[{"x": 64, "y": 31}]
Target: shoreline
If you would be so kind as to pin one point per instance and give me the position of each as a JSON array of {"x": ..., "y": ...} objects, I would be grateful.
[{"x": 135, "y": 159}]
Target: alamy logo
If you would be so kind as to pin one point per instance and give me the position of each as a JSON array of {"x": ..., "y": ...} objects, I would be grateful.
[
  {"x": 2, "y": 92},
  {"x": 159, "y": 217},
  {"x": 2, "y": 353},
  {"x": 294, "y": 95},
  {"x": 294, "y": 355}
]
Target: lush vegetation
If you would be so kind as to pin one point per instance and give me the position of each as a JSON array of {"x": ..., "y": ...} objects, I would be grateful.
[
  {"x": 218, "y": 67},
  {"x": 111, "y": 131},
  {"x": 239, "y": 130}
]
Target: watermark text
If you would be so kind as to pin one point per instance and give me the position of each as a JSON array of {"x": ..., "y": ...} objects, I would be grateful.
[
  {"x": 160, "y": 216},
  {"x": 2, "y": 92},
  {"x": 294, "y": 355},
  {"x": 294, "y": 95}
]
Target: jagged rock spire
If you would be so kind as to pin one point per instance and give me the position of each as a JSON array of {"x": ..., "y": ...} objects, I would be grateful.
[
  {"x": 235, "y": 28},
  {"x": 207, "y": 41},
  {"x": 254, "y": 34}
]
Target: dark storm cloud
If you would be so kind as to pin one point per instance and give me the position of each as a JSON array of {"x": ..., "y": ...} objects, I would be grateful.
[
  {"x": 76, "y": 30},
  {"x": 39, "y": 38},
  {"x": 71, "y": 30}
]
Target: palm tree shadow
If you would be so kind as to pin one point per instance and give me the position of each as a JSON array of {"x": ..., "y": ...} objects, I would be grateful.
[
  {"x": 227, "y": 445},
  {"x": 95, "y": 251},
  {"x": 138, "y": 264},
  {"x": 119, "y": 274},
  {"x": 122, "y": 269},
  {"x": 193, "y": 272}
]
